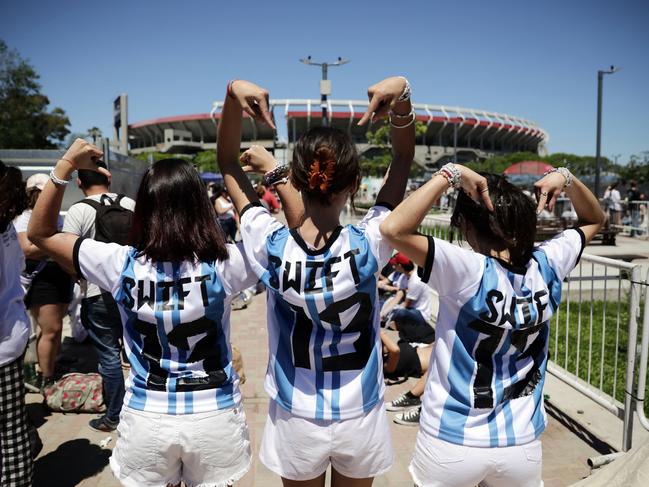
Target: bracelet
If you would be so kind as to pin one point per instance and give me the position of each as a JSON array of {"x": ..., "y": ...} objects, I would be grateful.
[
  {"x": 412, "y": 115},
  {"x": 451, "y": 174},
  {"x": 277, "y": 175},
  {"x": 398, "y": 116},
  {"x": 229, "y": 91},
  {"x": 56, "y": 180},
  {"x": 406, "y": 91},
  {"x": 565, "y": 172}
]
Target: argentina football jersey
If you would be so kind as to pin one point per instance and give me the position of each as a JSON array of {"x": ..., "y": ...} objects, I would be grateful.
[
  {"x": 488, "y": 365},
  {"x": 176, "y": 323},
  {"x": 323, "y": 326}
]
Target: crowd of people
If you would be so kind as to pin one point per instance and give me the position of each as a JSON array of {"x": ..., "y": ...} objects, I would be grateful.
[{"x": 160, "y": 273}]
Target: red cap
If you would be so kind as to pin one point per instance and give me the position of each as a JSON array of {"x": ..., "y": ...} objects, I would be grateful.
[{"x": 399, "y": 258}]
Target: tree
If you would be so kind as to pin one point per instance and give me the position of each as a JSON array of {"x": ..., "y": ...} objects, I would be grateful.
[
  {"x": 25, "y": 122},
  {"x": 378, "y": 163}
]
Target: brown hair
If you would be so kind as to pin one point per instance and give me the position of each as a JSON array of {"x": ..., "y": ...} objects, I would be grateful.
[
  {"x": 325, "y": 162},
  {"x": 32, "y": 196}
]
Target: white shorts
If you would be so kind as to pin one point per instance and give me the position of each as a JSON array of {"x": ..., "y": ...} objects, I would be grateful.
[
  {"x": 210, "y": 449},
  {"x": 438, "y": 463},
  {"x": 302, "y": 449}
]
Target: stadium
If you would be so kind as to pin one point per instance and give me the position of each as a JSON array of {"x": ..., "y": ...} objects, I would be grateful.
[{"x": 471, "y": 133}]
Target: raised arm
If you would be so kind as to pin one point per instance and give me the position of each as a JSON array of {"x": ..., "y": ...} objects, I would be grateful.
[
  {"x": 245, "y": 96},
  {"x": 42, "y": 230},
  {"x": 400, "y": 227},
  {"x": 589, "y": 213},
  {"x": 391, "y": 98}
]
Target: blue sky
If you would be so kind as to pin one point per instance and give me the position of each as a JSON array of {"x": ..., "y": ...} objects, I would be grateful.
[{"x": 535, "y": 60}]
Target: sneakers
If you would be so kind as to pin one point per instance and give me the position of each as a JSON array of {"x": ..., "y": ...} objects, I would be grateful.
[
  {"x": 404, "y": 401},
  {"x": 409, "y": 418},
  {"x": 103, "y": 424}
]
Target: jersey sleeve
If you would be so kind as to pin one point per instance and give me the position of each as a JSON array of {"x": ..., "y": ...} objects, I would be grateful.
[
  {"x": 235, "y": 272},
  {"x": 564, "y": 251},
  {"x": 257, "y": 224},
  {"x": 99, "y": 263},
  {"x": 381, "y": 249},
  {"x": 449, "y": 268}
]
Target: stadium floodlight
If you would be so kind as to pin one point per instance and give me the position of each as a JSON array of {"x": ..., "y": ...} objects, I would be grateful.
[
  {"x": 325, "y": 83},
  {"x": 598, "y": 161}
]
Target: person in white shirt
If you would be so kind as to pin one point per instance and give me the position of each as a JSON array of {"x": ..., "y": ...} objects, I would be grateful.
[
  {"x": 182, "y": 420},
  {"x": 16, "y": 464},
  {"x": 482, "y": 411},
  {"x": 99, "y": 313},
  {"x": 324, "y": 373}
]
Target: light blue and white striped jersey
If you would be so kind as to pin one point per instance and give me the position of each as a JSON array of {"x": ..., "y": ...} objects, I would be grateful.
[
  {"x": 323, "y": 325},
  {"x": 176, "y": 321},
  {"x": 485, "y": 383}
]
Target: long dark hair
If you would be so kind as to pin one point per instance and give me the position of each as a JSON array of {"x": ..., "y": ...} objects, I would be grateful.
[
  {"x": 13, "y": 199},
  {"x": 174, "y": 220},
  {"x": 511, "y": 226},
  {"x": 325, "y": 162}
]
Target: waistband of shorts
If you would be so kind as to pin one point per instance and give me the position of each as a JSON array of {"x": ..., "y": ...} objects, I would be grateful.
[{"x": 204, "y": 414}]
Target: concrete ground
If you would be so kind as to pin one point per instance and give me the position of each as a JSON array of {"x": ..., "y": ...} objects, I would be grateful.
[{"x": 72, "y": 456}]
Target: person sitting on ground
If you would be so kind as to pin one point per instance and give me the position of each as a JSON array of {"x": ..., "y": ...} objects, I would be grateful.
[
  {"x": 413, "y": 319},
  {"x": 49, "y": 287},
  {"x": 482, "y": 411},
  {"x": 396, "y": 283},
  {"x": 182, "y": 419},
  {"x": 16, "y": 465},
  {"x": 104, "y": 216}
]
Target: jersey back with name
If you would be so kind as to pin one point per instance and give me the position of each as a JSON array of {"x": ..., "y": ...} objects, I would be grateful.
[
  {"x": 325, "y": 360},
  {"x": 176, "y": 328},
  {"x": 485, "y": 385}
]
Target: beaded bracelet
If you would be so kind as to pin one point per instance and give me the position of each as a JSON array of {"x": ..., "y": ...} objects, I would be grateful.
[
  {"x": 277, "y": 175},
  {"x": 406, "y": 91},
  {"x": 56, "y": 180},
  {"x": 565, "y": 172},
  {"x": 451, "y": 174}
]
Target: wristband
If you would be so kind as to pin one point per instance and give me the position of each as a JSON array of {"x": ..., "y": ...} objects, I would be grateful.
[
  {"x": 229, "y": 91},
  {"x": 451, "y": 174},
  {"x": 277, "y": 175},
  {"x": 565, "y": 172}
]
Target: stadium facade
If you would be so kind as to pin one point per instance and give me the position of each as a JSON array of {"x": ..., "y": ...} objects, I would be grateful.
[{"x": 473, "y": 134}]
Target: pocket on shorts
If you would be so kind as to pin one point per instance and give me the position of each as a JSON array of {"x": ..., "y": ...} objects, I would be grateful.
[
  {"x": 444, "y": 452},
  {"x": 138, "y": 440},
  {"x": 223, "y": 438},
  {"x": 533, "y": 451}
]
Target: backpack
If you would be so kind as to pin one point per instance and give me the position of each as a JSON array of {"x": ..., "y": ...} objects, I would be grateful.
[
  {"x": 76, "y": 392},
  {"x": 113, "y": 221}
]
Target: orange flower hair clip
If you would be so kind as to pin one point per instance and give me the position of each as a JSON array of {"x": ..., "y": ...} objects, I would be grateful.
[{"x": 321, "y": 175}]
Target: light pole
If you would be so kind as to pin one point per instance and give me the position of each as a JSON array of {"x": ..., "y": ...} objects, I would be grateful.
[
  {"x": 325, "y": 84},
  {"x": 598, "y": 162}
]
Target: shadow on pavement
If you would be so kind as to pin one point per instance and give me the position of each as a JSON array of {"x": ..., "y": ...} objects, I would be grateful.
[{"x": 70, "y": 463}]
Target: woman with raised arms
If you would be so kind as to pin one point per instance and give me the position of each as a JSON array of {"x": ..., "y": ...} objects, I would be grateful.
[
  {"x": 482, "y": 412},
  {"x": 324, "y": 373}
]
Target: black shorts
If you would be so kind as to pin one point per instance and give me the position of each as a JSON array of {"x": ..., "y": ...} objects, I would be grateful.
[
  {"x": 52, "y": 285},
  {"x": 409, "y": 364}
]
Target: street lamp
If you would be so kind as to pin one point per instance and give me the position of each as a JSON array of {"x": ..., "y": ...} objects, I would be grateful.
[
  {"x": 325, "y": 84},
  {"x": 598, "y": 162}
]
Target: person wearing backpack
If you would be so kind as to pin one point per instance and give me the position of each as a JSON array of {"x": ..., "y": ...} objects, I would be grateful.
[{"x": 105, "y": 217}]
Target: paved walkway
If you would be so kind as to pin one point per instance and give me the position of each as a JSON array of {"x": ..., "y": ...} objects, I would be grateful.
[{"x": 72, "y": 455}]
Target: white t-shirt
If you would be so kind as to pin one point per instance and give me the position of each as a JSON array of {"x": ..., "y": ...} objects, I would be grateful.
[
  {"x": 226, "y": 209},
  {"x": 80, "y": 220},
  {"x": 21, "y": 222},
  {"x": 176, "y": 319},
  {"x": 399, "y": 280},
  {"x": 485, "y": 383},
  {"x": 14, "y": 323},
  {"x": 421, "y": 296},
  {"x": 323, "y": 319}
]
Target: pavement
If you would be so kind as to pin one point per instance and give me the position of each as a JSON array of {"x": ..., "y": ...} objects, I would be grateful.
[{"x": 72, "y": 455}]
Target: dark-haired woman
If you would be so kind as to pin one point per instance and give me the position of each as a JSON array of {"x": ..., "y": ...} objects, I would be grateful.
[
  {"x": 483, "y": 412},
  {"x": 225, "y": 211},
  {"x": 15, "y": 452},
  {"x": 324, "y": 374},
  {"x": 49, "y": 287},
  {"x": 182, "y": 420}
]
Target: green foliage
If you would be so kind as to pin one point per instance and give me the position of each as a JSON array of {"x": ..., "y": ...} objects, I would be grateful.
[
  {"x": 579, "y": 165},
  {"x": 206, "y": 161},
  {"x": 25, "y": 122},
  {"x": 378, "y": 164}
]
